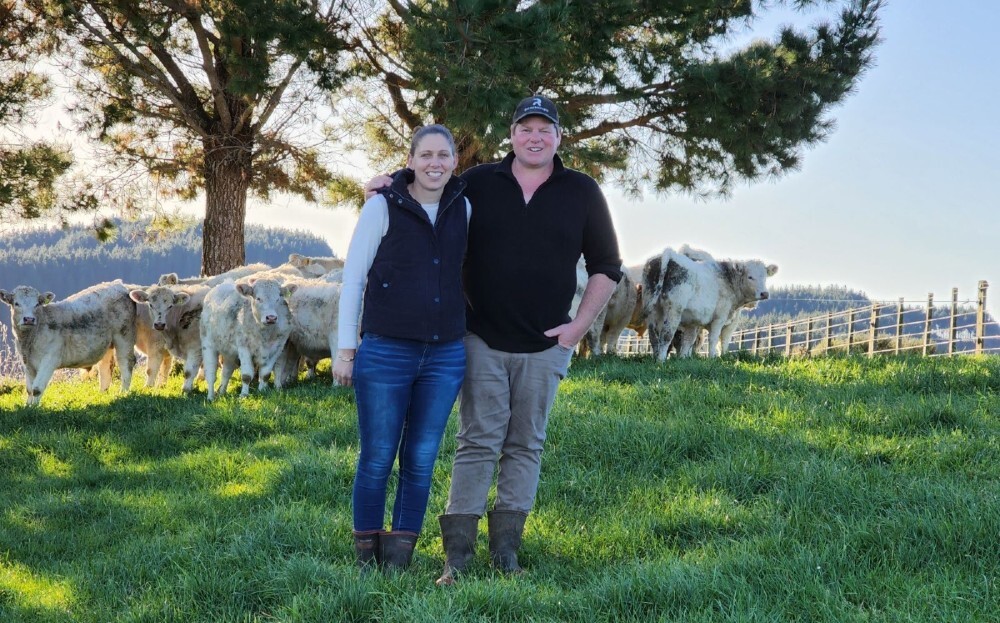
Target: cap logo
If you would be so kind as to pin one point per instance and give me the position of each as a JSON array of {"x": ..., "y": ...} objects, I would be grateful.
[{"x": 536, "y": 102}]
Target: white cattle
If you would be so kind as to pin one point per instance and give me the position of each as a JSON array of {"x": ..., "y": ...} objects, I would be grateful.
[
  {"x": 581, "y": 284},
  {"x": 246, "y": 324},
  {"x": 281, "y": 274},
  {"x": 171, "y": 279},
  {"x": 690, "y": 294},
  {"x": 334, "y": 276},
  {"x": 602, "y": 338},
  {"x": 314, "y": 306},
  {"x": 175, "y": 317},
  {"x": 315, "y": 266},
  {"x": 640, "y": 320},
  {"x": 73, "y": 333},
  {"x": 151, "y": 343}
]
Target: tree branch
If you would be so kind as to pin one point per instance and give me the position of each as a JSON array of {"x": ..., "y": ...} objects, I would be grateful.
[
  {"x": 273, "y": 100},
  {"x": 142, "y": 68},
  {"x": 610, "y": 126},
  {"x": 207, "y": 64}
]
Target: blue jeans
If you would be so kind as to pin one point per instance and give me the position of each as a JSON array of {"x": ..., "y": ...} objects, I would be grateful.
[{"x": 405, "y": 391}]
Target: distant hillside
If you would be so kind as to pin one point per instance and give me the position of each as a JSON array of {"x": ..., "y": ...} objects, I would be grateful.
[{"x": 67, "y": 261}]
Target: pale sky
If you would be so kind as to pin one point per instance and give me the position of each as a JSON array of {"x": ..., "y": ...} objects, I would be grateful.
[{"x": 900, "y": 201}]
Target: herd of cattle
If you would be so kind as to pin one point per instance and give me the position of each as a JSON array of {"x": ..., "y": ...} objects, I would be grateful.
[{"x": 271, "y": 321}]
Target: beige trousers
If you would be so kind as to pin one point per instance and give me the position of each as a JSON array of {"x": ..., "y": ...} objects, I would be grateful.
[{"x": 503, "y": 411}]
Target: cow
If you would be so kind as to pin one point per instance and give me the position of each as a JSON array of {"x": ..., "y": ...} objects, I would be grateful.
[
  {"x": 314, "y": 306},
  {"x": 175, "y": 316},
  {"x": 171, "y": 279},
  {"x": 690, "y": 294},
  {"x": 73, "y": 333},
  {"x": 602, "y": 337},
  {"x": 247, "y": 324},
  {"x": 151, "y": 343},
  {"x": 315, "y": 266}
]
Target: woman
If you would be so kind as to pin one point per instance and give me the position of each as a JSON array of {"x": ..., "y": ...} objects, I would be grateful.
[{"x": 405, "y": 260}]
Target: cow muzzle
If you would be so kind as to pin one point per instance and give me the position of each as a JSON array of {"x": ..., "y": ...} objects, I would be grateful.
[
  {"x": 763, "y": 296},
  {"x": 159, "y": 326},
  {"x": 270, "y": 319},
  {"x": 28, "y": 321}
]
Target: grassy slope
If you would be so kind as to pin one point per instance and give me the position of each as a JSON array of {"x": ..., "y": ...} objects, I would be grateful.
[{"x": 728, "y": 490}]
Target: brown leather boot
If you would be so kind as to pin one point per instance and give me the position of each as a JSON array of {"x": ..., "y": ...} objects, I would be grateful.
[
  {"x": 458, "y": 536},
  {"x": 396, "y": 549},
  {"x": 506, "y": 528},
  {"x": 366, "y": 548}
]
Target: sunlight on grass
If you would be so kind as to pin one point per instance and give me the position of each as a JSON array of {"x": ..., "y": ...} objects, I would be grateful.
[
  {"x": 30, "y": 591},
  {"x": 51, "y": 465},
  {"x": 824, "y": 490}
]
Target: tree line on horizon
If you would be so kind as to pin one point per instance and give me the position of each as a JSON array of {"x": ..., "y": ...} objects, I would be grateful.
[{"x": 219, "y": 100}]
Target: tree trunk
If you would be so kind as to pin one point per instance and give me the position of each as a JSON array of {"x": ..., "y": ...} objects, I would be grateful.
[{"x": 228, "y": 169}]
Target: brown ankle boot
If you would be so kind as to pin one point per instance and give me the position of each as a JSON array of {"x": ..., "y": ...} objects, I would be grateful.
[
  {"x": 506, "y": 528},
  {"x": 366, "y": 548},
  {"x": 396, "y": 549},
  {"x": 458, "y": 536}
]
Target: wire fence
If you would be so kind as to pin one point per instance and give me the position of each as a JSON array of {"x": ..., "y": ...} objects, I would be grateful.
[{"x": 880, "y": 328}]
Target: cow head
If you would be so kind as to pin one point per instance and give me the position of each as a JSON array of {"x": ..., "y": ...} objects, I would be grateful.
[
  {"x": 24, "y": 302},
  {"x": 753, "y": 281},
  {"x": 267, "y": 296},
  {"x": 161, "y": 300}
]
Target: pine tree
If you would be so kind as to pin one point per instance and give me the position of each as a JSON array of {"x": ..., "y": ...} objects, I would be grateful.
[
  {"x": 29, "y": 169},
  {"x": 648, "y": 90},
  {"x": 214, "y": 96}
]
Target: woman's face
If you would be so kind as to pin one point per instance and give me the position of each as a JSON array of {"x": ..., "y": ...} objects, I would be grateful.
[{"x": 432, "y": 162}]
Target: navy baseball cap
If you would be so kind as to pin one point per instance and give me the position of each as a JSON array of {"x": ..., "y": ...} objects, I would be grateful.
[{"x": 536, "y": 105}]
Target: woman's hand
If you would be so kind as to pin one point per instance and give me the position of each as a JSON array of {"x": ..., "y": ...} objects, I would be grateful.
[{"x": 343, "y": 367}]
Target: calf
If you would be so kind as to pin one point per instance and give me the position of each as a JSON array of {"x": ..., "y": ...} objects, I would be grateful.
[
  {"x": 314, "y": 305},
  {"x": 73, "y": 333},
  {"x": 315, "y": 266},
  {"x": 150, "y": 342},
  {"x": 246, "y": 324},
  {"x": 175, "y": 315},
  {"x": 690, "y": 294},
  {"x": 611, "y": 321},
  {"x": 171, "y": 279}
]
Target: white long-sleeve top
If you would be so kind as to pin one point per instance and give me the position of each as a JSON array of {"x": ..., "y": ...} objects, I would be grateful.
[{"x": 373, "y": 224}]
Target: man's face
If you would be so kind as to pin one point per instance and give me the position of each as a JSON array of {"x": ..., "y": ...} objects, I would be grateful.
[{"x": 535, "y": 140}]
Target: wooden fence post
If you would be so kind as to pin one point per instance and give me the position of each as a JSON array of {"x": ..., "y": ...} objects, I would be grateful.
[
  {"x": 899, "y": 327},
  {"x": 981, "y": 318},
  {"x": 953, "y": 322},
  {"x": 872, "y": 327},
  {"x": 770, "y": 338},
  {"x": 809, "y": 332},
  {"x": 927, "y": 323},
  {"x": 850, "y": 330},
  {"x": 827, "y": 337},
  {"x": 788, "y": 340}
]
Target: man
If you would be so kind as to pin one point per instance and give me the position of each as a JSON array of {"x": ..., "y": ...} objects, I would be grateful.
[{"x": 532, "y": 218}]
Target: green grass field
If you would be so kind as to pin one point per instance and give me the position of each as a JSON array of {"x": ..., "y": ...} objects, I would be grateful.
[{"x": 738, "y": 489}]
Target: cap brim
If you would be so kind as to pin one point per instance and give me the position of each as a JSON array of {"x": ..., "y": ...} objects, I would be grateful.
[{"x": 535, "y": 114}]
